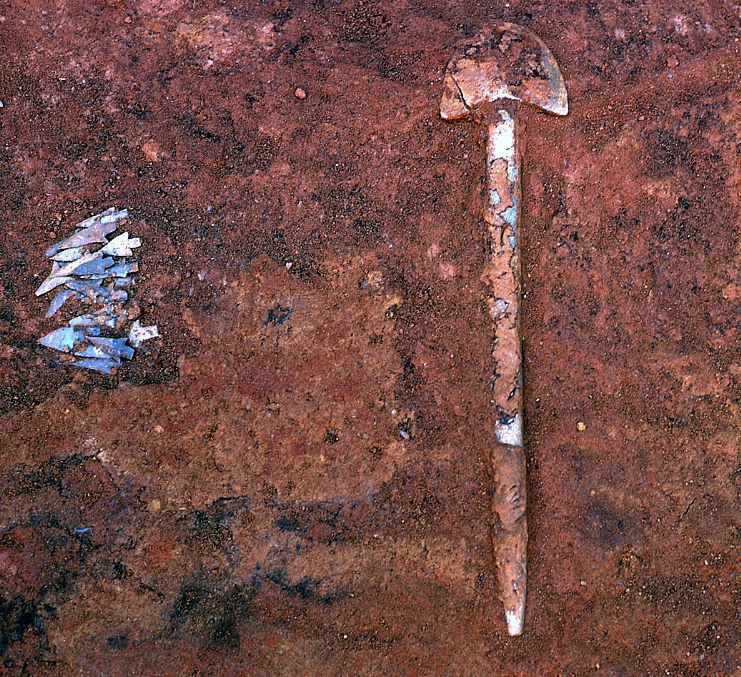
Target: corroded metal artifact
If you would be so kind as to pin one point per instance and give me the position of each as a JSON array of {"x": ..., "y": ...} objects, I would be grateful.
[{"x": 509, "y": 62}]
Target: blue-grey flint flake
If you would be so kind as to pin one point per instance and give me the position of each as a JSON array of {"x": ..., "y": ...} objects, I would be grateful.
[
  {"x": 113, "y": 217},
  {"x": 113, "y": 347},
  {"x": 103, "y": 366},
  {"x": 51, "y": 283},
  {"x": 92, "y": 351},
  {"x": 87, "y": 320},
  {"x": 67, "y": 255},
  {"x": 59, "y": 301},
  {"x": 96, "y": 319},
  {"x": 91, "y": 235},
  {"x": 121, "y": 269},
  {"x": 91, "y": 290},
  {"x": 71, "y": 268},
  {"x": 91, "y": 220},
  {"x": 97, "y": 265},
  {"x": 121, "y": 245},
  {"x": 63, "y": 339}
]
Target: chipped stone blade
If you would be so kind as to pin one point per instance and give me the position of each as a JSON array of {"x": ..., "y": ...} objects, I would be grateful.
[
  {"x": 97, "y": 319},
  {"x": 67, "y": 255},
  {"x": 114, "y": 217},
  {"x": 63, "y": 339},
  {"x": 50, "y": 283},
  {"x": 91, "y": 220},
  {"x": 101, "y": 365},
  {"x": 113, "y": 347},
  {"x": 93, "y": 351},
  {"x": 59, "y": 300},
  {"x": 97, "y": 265},
  {"x": 121, "y": 245},
  {"x": 73, "y": 267},
  {"x": 95, "y": 233},
  {"x": 120, "y": 269}
]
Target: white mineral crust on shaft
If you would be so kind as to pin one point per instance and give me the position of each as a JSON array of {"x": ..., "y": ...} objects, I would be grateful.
[{"x": 510, "y": 433}]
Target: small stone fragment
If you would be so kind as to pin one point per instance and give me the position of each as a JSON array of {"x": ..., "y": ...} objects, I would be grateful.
[
  {"x": 139, "y": 334},
  {"x": 300, "y": 93},
  {"x": 97, "y": 319},
  {"x": 118, "y": 295},
  {"x": 581, "y": 426}
]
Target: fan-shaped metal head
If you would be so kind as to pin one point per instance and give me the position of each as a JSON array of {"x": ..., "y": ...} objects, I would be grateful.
[{"x": 509, "y": 62}]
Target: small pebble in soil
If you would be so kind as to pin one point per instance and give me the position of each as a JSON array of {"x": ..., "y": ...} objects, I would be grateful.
[
  {"x": 581, "y": 426},
  {"x": 300, "y": 93}
]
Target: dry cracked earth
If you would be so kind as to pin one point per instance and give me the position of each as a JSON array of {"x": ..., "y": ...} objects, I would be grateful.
[{"x": 293, "y": 479}]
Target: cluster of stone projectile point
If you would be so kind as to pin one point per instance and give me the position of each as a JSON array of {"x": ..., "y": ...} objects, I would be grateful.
[{"x": 95, "y": 272}]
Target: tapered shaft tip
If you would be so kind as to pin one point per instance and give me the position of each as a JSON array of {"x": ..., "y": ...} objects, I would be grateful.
[{"x": 515, "y": 619}]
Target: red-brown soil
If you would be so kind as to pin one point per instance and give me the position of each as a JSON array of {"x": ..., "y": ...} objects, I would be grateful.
[{"x": 293, "y": 480}]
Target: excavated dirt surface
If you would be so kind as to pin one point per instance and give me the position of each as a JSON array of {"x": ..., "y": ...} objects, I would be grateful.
[{"x": 293, "y": 479}]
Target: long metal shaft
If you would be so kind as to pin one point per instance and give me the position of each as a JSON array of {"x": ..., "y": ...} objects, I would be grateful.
[{"x": 508, "y": 455}]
